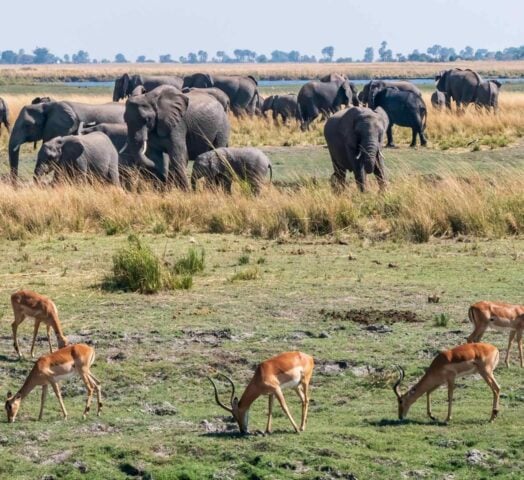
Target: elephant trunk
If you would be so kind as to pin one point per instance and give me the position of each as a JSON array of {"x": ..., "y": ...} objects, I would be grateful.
[
  {"x": 15, "y": 142},
  {"x": 137, "y": 146},
  {"x": 369, "y": 151}
]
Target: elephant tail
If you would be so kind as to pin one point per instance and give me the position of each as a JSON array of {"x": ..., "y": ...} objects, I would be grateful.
[
  {"x": 424, "y": 112},
  {"x": 270, "y": 172}
]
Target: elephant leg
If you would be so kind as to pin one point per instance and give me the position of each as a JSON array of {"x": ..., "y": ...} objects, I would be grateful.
[
  {"x": 413, "y": 138},
  {"x": 389, "y": 134},
  {"x": 423, "y": 140}
]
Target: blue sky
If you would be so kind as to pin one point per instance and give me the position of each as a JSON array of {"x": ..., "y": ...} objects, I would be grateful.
[{"x": 153, "y": 27}]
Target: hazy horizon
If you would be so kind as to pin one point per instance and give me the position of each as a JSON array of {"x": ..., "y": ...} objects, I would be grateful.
[{"x": 134, "y": 28}]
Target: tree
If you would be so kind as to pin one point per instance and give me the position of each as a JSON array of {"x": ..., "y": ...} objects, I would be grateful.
[
  {"x": 67, "y": 58},
  {"x": 328, "y": 53},
  {"x": 369, "y": 55},
  {"x": 262, "y": 59},
  {"x": 141, "y": 59},
  {"x": 120, "y": 58},
  {"x": 165, "y": 58},
  {"x": 81, "y": 57},
  {"x": 202, "y": 56},
  {"x": 385, "y": 54},
  {"x": 192, "y": 57},
  {"x": 9, "y": 57},
  {"x": 43, "y": 55},
  {"x": 467, "y": 53}
]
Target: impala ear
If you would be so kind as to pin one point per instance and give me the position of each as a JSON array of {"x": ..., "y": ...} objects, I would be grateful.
[{"x": 9, "y": 394}]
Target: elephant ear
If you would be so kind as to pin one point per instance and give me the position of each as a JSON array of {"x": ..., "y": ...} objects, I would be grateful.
[
  {"x": 383, "y": 117},
  {"x": 171, "y": 108},
  {"x": 60, "y": 119},
  {"x": 253, "y": 78},
  {"x": 71, "y": 150},
  {"x": 497, "y": 83}
]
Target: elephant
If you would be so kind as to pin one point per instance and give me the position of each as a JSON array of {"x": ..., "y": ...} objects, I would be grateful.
[
  {"x": 117, "y": 132},
  {"x": 218, "y": 94},
  {"x": 45, "y": 121},
  {"x": 405, "y": 109},
  {"x": 38, "y": 100},
  {"x": 242, "y": 91},
  {"x": 375, "y": 85},
  {"x": 125, "y": 84},
  {"x": 333, "y": 77},
  {"x": 73, "y": 158},
  {"x": 438, "y": 100},
  {"x": 284, "y": 105},
  {"x": 258, "y": 105},
  {"x": 181, "y": 125},
  {"x": 315, "y": 98},
  {"x": 488, "y": 94},
  {"x": 460, "y": 85},
  {"x": 354, "y": 138},
  {"x": 219, "y": 167},
  {"x": 4, "y": 115}
]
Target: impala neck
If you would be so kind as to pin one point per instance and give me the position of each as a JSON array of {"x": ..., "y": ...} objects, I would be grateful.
[
  {"x": 28, "y": 386},
  {"x": 251, "y": 393},
  {"x": 426, "y": 383},
  {"x": 57, "y": 327}
]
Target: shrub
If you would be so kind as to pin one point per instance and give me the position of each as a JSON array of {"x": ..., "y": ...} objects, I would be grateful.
[
  {"x": 136, "y": 268},
  {"x": 243, "y": 260},
  {"x": 192, "y": 263},
  {"x": 441, "y": 320},
  {"x": 249, "y": 274}
]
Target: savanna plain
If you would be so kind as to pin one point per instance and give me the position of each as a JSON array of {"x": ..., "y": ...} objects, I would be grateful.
[{"x": 344, "y": 277}]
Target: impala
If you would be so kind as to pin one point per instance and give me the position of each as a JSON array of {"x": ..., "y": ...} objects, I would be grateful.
[
  {"x": 463, "y": 360},
  {"x": 287, "y": 370},
  {"x": 52, "y": 368},
  {"x": 498, "y": 315},
  {"x": 31, "y": 304}
]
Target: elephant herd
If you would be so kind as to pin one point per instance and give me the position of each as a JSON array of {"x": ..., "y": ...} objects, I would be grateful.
[{"x": 167, "y": 121}]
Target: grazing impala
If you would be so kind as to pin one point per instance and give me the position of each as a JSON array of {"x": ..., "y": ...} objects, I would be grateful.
[
  {"x": 52, "y": 368},
  {"x": 463, "y": 360},
  {"x": 498, "y": 315},
  {"x": 287, "y": 370},
  {"x": 27, "y": 303}
]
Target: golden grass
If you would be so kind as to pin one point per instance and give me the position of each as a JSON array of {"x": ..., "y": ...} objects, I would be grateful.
[
  {"x": 11, "y": 74},
  {"x": 445, "y": 129},
  {"x": 413, "y": 208}
]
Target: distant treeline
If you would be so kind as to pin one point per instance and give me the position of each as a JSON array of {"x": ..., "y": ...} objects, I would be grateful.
[{"x": 436, "y": 53}]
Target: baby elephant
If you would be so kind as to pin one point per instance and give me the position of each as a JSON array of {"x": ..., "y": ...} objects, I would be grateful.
[
  {"x": 219, "y": 167},
  {"x": 284, "y": 105},
  {"x": 75, "y": 158}
]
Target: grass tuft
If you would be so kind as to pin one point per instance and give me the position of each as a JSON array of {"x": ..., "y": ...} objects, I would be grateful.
[{"x": 252, "y": 273}]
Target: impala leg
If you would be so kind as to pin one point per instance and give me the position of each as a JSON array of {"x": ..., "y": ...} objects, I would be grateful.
[
  {"x": 269, "y": 413},
  {"x": 519, "y": 341},
  {"x": 487, "y": 375},
  {"x": 42, "y": 401},
  {"x": 96, "y": 384},
  {"x": 35, "y": 333},
  {"x": 511, "y": 337},
  {"x": 451, "y": 387},
  {"x": 305, "y": 406},
  {"x": 49, "y": 339},
  {"x": 301, "y": 395},
  {"x": 89, "y": 387},
  {"x": 56, "y": 389},
  {"x": 19, "y": 318},
  {"x": 428, "y": 405},
  {"x": 282, "y": 401}
]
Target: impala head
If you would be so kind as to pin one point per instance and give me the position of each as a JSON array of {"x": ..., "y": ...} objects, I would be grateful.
[
  {"x": 240, "y": 416},
  {"x": 12, "y": 405},
  {"x": 62, "y": 342},
  {"x": 404, "y": 401}
]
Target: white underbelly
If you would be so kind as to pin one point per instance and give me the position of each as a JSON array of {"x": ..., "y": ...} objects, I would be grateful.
[
  {"x": 291, "y": 384},
  {"x": 64, "y": 376}
]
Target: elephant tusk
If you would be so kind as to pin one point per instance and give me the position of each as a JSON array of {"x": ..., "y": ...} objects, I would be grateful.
[
  {"x": 17, "y": 147},
  {"x": 123, "y": 149},
  {"x": 144, "y": 148}
]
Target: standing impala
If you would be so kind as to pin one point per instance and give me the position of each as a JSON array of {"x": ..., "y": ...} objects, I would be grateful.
[
  {"x": 52, "y": 368},
  {"x": 287, "y": 370},
  {"x": 498, "y": 315},
  {"x": 463, "y": 360},
  {"x": 27, "y": 303}
]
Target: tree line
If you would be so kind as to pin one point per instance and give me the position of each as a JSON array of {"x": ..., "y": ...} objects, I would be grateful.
[{"x": 435, "y": 53}]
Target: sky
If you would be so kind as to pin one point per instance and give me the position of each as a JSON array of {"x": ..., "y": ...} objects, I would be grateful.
[{"x": 153, "y": 27}]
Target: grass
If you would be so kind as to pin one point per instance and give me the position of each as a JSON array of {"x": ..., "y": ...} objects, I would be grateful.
[
  {"x": 441, "y": 320},
  {"x": 251, "y": 273},
  {"x": 159, "y": 348}
]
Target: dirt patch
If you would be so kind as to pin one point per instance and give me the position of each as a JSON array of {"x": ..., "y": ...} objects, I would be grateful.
[
  {"x": 370, "y": 316},
  {"x": 211, "y": 337}
]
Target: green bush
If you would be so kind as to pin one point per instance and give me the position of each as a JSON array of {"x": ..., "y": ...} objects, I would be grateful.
[
  {"x": 136, "y": 268},
  {"x": 192, "y": 263},
  {"x": 441, "y": 320},
  {"x": 248, "y": 274}
]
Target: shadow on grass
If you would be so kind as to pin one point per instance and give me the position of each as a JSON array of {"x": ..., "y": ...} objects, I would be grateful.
[
  {"x": 388, "y": 422},
  {"x": 257, "y": 434},
  {"x": 5, "y": 358}
]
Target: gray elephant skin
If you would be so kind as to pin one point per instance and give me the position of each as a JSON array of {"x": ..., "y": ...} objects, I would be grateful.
[
  {"x": 117, "y": 132},
  {"x": 242, "y": 91},
  {"x": 460, "y": 85},
  {"x": 488, "y": 94},
  {"x": 218, "y": 94},
  {"x": 438, "y": 100},
  {"x": 125, "y": 84},
  {"x": 79, "y": 158},
  {"x": 405, "y": 109},
  {"x": 220, "y": 167},
  {"x": 38, "y": 100},
  {"x": 45, "y": 121},
  {"x": 180, "y": 125},
  {"x": 315, "y": 98},
  {"x": 371, "y": 88},
  {"x": 354, "y": 138},
  {"x": 285, "y": 106},
  {"x": 4, "y": 115}
]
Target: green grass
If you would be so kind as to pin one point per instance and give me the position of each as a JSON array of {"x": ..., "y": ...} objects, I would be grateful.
[{"x": 159, "y": 348}]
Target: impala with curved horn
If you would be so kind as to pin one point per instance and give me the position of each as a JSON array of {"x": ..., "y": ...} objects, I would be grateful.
[
  {"x": 287, "y": 370},
  {"x": 463, "y": 360}
]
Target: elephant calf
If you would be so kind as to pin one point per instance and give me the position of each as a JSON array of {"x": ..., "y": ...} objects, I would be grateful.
[
  {"x": 284, "y": 105},
  {"x": 488, "y": 94},
  {"x": 438, "y": 100},
  {"x": 4, "y": 115},
  {"x": 75, "y": 158},
  {"x": 219, "y": 167}
]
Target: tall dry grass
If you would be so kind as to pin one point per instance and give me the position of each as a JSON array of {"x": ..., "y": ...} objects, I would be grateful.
[
  {"x": 16, "y": 74},
  {"x": 474, "y": 129},
  {"x": 414, "y": 208}
]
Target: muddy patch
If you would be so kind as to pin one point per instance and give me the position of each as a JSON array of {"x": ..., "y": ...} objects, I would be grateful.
[
  {"x": 209, "y": 337},
  {"x": 370, "y": 316}
]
